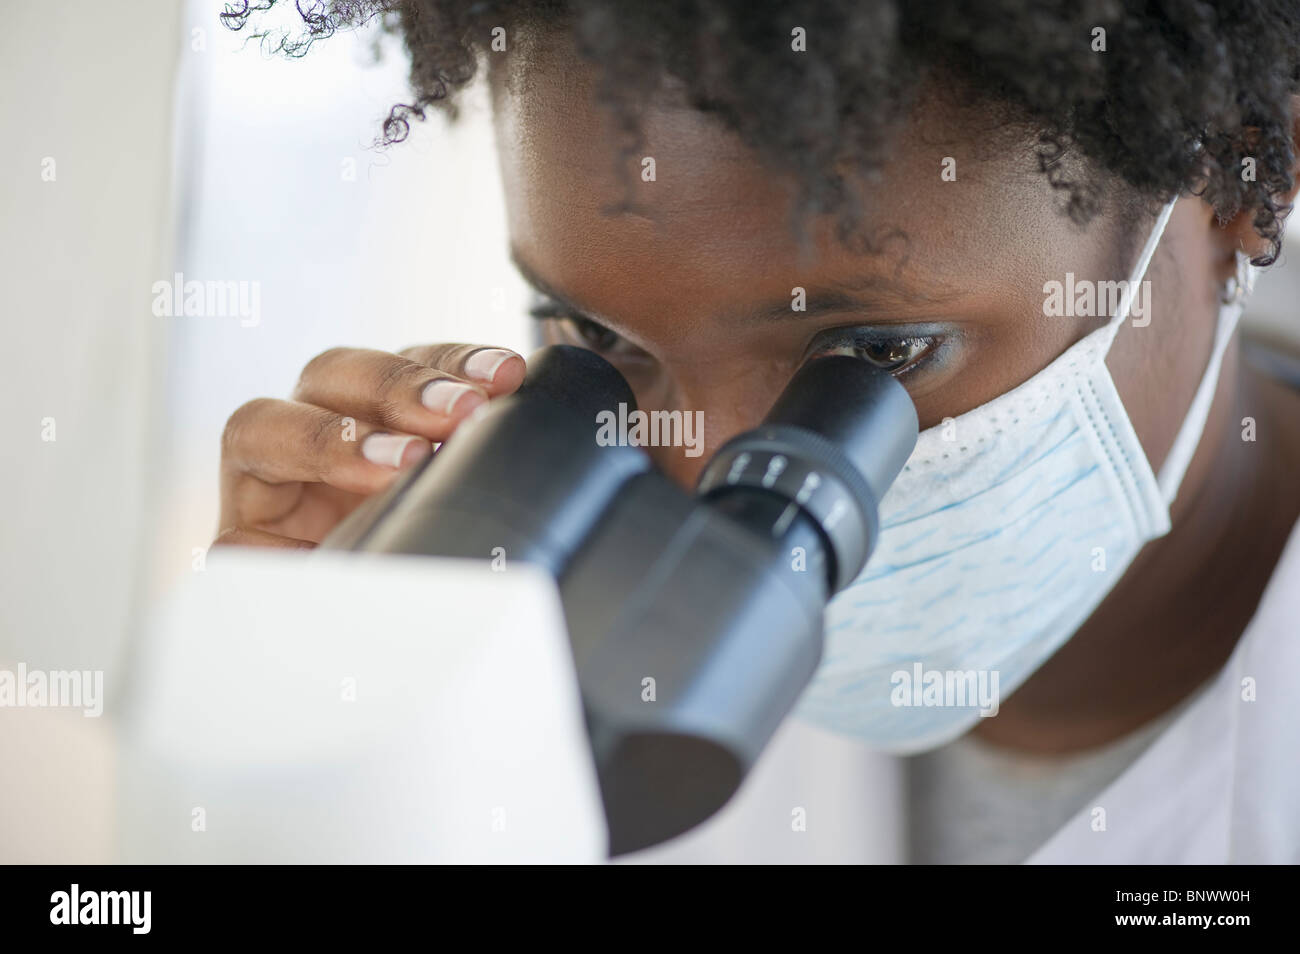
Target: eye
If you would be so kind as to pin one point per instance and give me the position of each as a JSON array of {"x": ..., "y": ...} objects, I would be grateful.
[
  {"x": 579, "y": 330},
  {"x": 894, "y": 354}
]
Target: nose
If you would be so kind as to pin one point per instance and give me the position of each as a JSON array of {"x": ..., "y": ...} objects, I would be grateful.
[
  {"x": 680, "y": 468},
  {"x": 710, "y": 417}
]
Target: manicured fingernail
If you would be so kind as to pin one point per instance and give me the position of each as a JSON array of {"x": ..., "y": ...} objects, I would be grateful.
[
  {"x": 446, "y": 397},
  {"x": 416, "y": 451},
  {"x": 483, "y": 365},
  {"x": 393, "y": 450}
]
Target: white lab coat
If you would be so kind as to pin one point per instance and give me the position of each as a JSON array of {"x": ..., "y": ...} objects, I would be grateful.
[{"x": 1221, "y": 784}]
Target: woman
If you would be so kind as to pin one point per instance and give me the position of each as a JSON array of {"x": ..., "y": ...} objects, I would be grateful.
[{"x": 1039, "y": 217}]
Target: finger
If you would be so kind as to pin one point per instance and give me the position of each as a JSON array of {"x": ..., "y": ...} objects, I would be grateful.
[
  {"x": 388, "y": 390},
  {"x": 248, "y": 537},
  {"x": 282, "y": 441},
  {"x": 497, "y": 370}
]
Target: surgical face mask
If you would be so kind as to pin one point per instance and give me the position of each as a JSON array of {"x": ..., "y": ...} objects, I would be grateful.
[{"x": 1005, "y": 530}]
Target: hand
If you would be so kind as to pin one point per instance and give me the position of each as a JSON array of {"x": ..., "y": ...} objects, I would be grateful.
[{"x": 291, "y": 470}]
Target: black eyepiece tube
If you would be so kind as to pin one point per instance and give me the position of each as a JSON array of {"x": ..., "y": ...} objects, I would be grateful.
[
  {"x": 832, "y": 444},
  {"x": 525, "y": 477},
  {"x": 860, "y": 409}
]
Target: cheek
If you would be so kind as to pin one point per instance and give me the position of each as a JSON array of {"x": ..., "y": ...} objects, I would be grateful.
[
  {"x": 1157, "y": 367},
  {"x": 989, "y": 356}
]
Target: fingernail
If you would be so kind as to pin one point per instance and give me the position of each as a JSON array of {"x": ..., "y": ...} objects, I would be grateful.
[
  {"x": 445, "y": 396},
  {"x": 418, "y": 450},
  {"x": 483, "y": 365},
  {"x": 393, "y": 450}
]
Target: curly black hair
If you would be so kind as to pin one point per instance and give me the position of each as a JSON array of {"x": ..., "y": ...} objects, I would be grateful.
[{"x": 1175, "y": 95}]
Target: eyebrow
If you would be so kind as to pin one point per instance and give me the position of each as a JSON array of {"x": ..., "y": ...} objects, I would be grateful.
[
  {"x": 867, "y": 293},
  {"x": 539, "y": 285}
]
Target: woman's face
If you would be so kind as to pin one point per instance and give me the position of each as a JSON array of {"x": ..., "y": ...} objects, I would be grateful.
[{"x": 691, "y": 295}]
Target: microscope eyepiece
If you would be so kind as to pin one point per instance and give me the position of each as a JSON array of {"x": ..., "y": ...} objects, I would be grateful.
[{"x": 831, "y": 445}]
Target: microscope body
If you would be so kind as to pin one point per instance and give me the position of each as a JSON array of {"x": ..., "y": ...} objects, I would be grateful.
[
  {"x": 691, "y": 645},
  {"x": 695, "y": 620}
]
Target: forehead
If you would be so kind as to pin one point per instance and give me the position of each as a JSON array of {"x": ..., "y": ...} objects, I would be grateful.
[{"x": 693, "y": 208}]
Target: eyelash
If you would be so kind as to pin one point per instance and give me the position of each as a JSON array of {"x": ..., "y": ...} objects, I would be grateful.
[
  {"x": 855, "y": 341},
  {"x": 591, "y": 333}
]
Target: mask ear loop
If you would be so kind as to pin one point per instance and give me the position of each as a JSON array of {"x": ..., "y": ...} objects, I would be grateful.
[
  {"x": 1232, "y": 304},
  {"x": 1239, "y": 287},
  {"x": 1131, "y": 287},
  {"x": 1180, "y": 454}
]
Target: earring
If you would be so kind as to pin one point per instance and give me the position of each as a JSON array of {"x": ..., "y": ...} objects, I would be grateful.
[{"x": 1242, "y": 284}]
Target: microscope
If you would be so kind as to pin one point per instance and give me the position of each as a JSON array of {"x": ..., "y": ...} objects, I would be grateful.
[{"x": 695, "y": 619}]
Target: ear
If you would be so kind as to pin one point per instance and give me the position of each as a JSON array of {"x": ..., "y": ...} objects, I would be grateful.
[{"x": 1238, "y": 234}]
